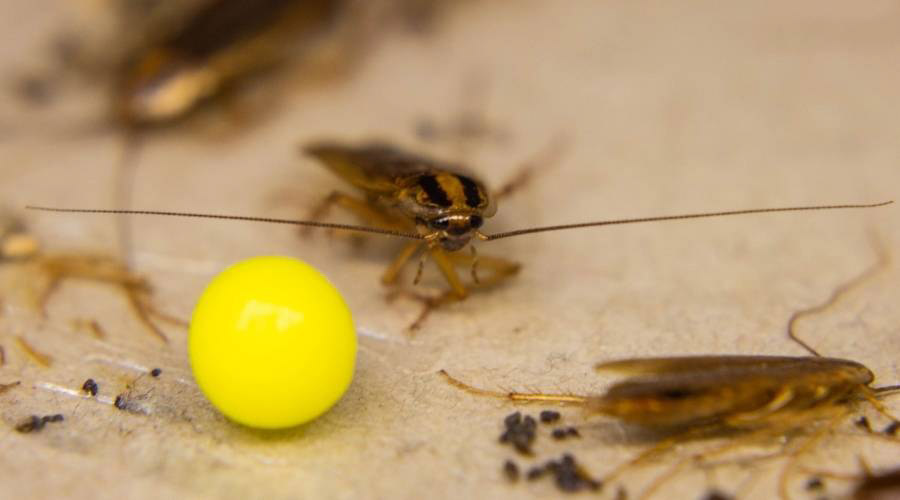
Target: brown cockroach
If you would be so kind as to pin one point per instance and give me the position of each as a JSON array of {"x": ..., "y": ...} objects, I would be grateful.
[
  {"x": 438, "y": 205},
  {"x": 701, "y": 396}
]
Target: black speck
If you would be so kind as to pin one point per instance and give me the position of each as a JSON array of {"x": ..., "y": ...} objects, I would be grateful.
[
  {"x": 565, "y": 432},
  {"x": 863, "y": 423},
  {"x": 512, "y": 419},
  {"x": 535, "y": 472},
  {"x": 716, "y": 495},
  {"x": 120, "y": 402},
  {"x": 155, "y": 372},
  {"x": 520, "y": 432},
  {"x": 814, "y": 484},
  {"x": 90, "y": 387},
  {"x": 567, "y": 474},
  {"x": 549, "y": 416},
  {"x": 33, "y": 423},
  {"x": 511, "y": 470},
  {"x": 892, "y": 428}
]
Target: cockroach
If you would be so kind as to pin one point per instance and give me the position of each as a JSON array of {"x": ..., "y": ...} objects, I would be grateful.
[
  {"x": 17, "y": 245},
  {"x": 439, "y": 205},
  {"x": 221, "y": 43},
  {"x": 700, "y": 396},
  {"x": 179, "y": 66}
]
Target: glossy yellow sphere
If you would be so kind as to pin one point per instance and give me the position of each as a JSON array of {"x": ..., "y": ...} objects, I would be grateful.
[{"x": 272, "y": 343}]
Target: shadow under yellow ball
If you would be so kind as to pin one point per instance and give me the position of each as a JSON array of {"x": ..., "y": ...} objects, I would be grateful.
[{"x": 272, "y": 343}]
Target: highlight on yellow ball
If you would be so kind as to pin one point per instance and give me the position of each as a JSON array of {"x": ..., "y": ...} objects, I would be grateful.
[{"x": 272, "y": 343}]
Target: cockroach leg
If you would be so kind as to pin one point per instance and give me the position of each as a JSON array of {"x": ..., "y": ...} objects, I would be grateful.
[
  {"x": 393, "y": 271},
  {"x": 525, "y": 173},
  {"x": 446, "y": 265},
  {"x": 516, "y": 396},
  {"x": 501, "y": 269},
  {"x": 359, "y": 208}
]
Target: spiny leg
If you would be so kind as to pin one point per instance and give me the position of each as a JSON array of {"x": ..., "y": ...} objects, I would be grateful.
[
  {"x": 393, "y": 271},
  {"x": 526, "y": 171},
  {"x": 515, "y": 396},
  {"x": 794, "y": 457},
  {"x": 500, "y": 268},
  {"x": 357, "y": 207},
  {"x": 140, "y": 310},
  {"x": 108, "y": 271}
]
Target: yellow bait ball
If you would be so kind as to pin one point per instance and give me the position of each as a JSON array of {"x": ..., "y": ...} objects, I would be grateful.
[{"x": 272, "y": 343}]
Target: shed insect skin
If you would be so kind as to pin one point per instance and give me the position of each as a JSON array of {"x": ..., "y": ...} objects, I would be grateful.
[{"x": 17, "y": 245}]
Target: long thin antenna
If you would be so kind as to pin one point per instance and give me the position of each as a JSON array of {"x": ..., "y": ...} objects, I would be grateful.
[
  {"x": 124, "y": 191},
  {"x": 327, "y": 225},
  {"x": 614, "y": 222}
]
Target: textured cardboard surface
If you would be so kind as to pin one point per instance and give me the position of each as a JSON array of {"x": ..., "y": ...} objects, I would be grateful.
[{"x": 670, "y": 108}]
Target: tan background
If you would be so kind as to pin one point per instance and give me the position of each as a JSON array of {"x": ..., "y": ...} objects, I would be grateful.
[{"x": 671, "y": 107}]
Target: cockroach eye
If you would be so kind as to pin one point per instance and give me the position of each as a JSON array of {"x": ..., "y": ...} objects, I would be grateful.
[
  {"x": 475, "y": 221},
  {"x": 442, "y": 223}
]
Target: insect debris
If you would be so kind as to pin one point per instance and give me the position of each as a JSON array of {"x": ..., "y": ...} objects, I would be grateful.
[
  {"x": 35, "y": 423},
  {"x": 17, "y": 245},
  {"x": 90, "y": 387},
  {"x": 703, "y": 396},
  {"x": 6, "y": 387},
  {"x": 436, "y": 204}
]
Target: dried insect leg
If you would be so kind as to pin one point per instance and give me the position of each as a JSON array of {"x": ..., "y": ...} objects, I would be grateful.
[
  {"x": 525, "y": 173},
  {"x": 58, "y": 268}
]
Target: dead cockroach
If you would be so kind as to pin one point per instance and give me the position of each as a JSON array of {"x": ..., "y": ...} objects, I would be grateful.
[
  {"x": 17, "y": 245},
  {"x": 195, "y": 55},
  {"x": 701, "y": 396},
  {"x": 223, "y": 42},
  {"x": 437, "y": 204}
]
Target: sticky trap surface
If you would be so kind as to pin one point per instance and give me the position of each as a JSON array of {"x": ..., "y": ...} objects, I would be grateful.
[{"x": 667, "y": 109}]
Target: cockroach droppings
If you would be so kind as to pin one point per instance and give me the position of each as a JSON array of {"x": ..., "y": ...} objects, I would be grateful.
[
  {"x": 120, "y": 402},
  {"x": 892, "y": 429},
  {"x": 716, "y": 495},
  {"x": 520, "y": 431},
  {"x": 565, "y": 432},
  {"x": 35, "y": 423},
  {"x": 511, "y": 471},
  {"x": 155, "y": 372},
  {"x": 90, "y": 387},
  {"x": 549, "y": 416},
  {"x": 815, "y": 483}
]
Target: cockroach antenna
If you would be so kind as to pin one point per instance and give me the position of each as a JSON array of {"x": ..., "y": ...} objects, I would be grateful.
[{"x": 488, "y": 237}]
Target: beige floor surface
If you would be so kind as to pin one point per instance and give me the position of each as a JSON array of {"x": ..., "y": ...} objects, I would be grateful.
[{"x": 669, "y": 106}]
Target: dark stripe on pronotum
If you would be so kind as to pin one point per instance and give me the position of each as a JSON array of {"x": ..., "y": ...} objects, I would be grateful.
[
  {"x": 434, "y": 190},
  {"x": 470, "y": 189}
]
